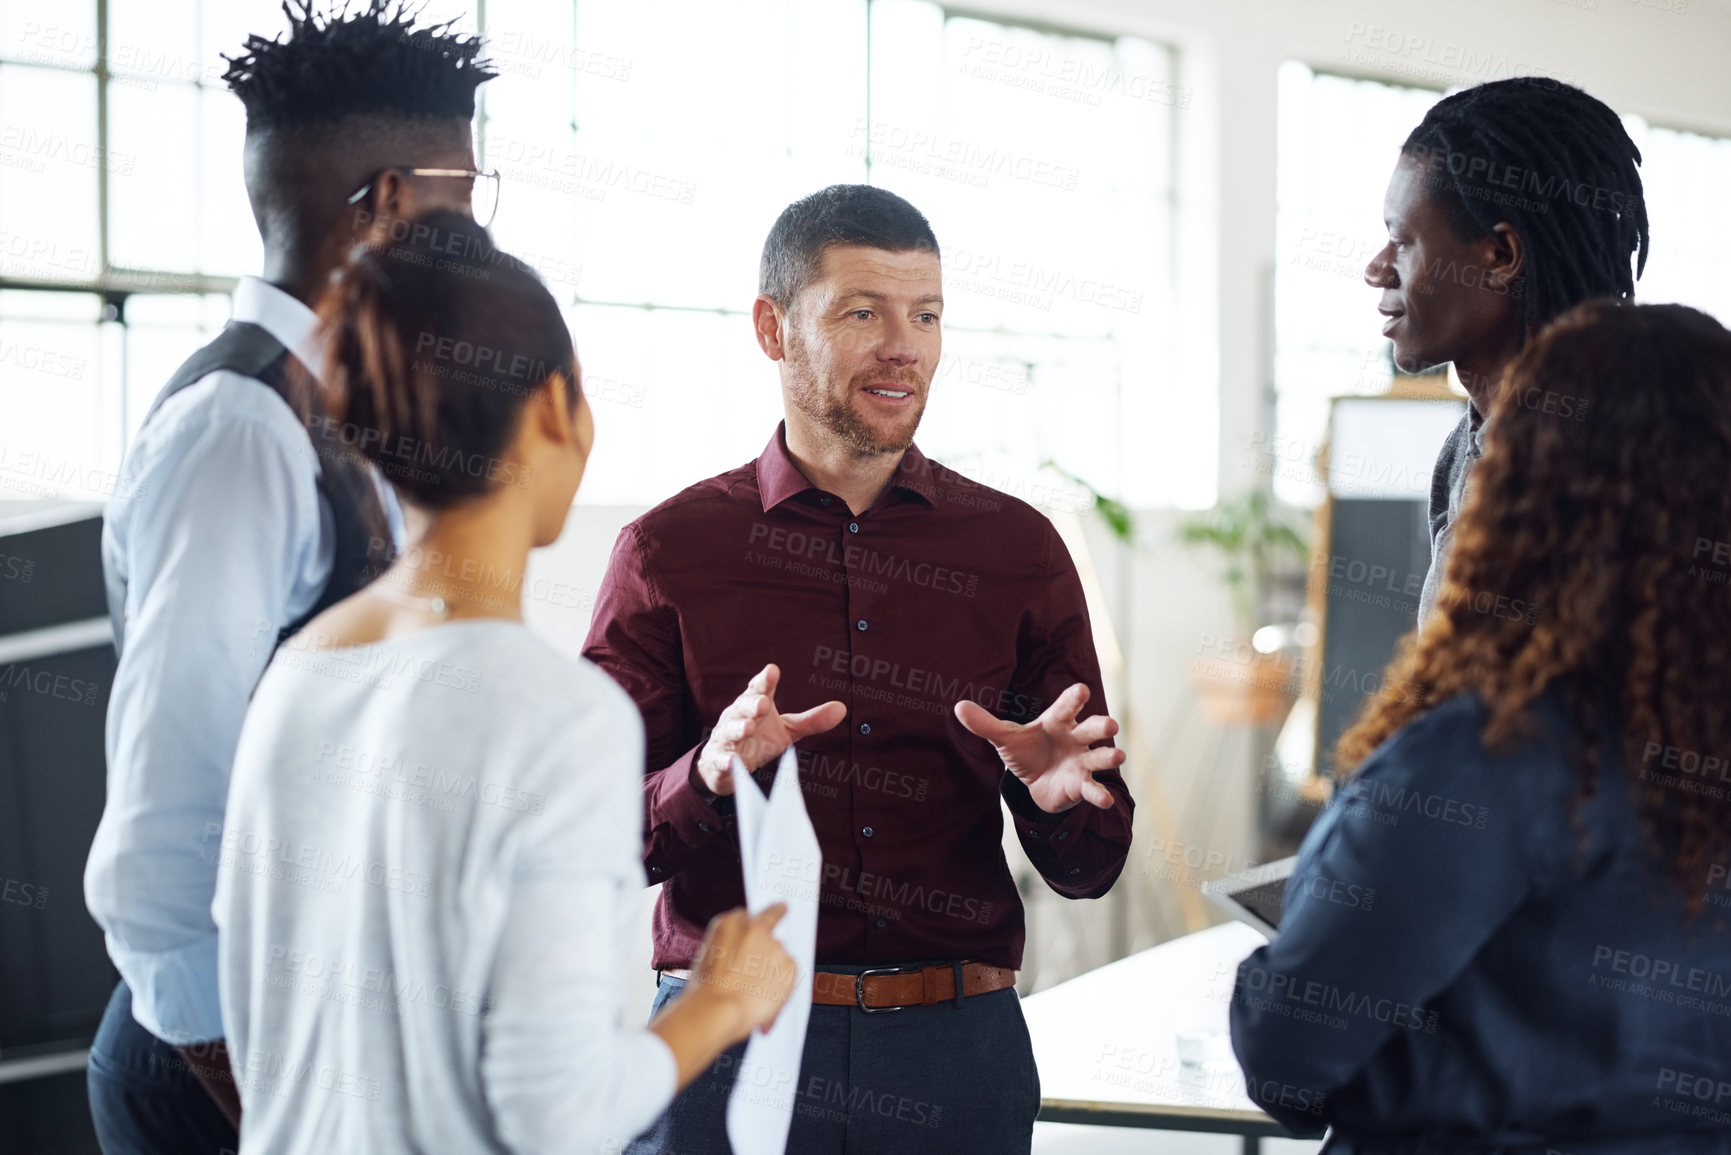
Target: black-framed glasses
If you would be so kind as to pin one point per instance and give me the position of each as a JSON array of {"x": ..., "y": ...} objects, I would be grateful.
[{"x": 483, "y": 188}]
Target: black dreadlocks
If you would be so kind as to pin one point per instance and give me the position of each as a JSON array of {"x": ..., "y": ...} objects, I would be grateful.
[
  {"x": 1556, "y": 164},
  {"x": 374, "y": 62}
]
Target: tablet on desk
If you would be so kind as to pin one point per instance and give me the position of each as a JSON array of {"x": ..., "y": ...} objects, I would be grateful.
[{"x": 1255, "y": 896}]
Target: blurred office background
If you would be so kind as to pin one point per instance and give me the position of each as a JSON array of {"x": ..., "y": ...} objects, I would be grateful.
[{"x": 1154, "y": 215}]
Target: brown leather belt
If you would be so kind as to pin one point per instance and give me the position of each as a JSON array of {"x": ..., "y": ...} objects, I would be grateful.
[{"x": 894, "y": 987}]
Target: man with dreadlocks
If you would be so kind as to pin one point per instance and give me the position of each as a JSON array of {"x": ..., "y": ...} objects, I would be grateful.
[
  {"x": 1511, "y": 202},
  {"x": 238, "y": 528}
]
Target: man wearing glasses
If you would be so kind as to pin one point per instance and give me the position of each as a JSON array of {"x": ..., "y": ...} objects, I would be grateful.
[{"x": 238, "y": 527}]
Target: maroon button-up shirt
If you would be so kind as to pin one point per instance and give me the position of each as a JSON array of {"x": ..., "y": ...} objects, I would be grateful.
[{"x": 943, "y": 590}]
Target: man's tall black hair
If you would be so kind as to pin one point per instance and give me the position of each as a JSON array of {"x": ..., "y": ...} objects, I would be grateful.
[
  {"x": 1556, "y": 164},
  {"x": 375, "y": 61}
]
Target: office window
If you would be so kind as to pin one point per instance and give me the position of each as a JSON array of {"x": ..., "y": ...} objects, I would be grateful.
[
  {"x": 1685, "y": 176},
  {"x": 1329, "y": 225},
  {"x": 645, "y": 150}
]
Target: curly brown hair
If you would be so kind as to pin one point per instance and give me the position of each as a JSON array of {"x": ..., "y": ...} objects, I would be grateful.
[{"x": 1593, "y": 553}]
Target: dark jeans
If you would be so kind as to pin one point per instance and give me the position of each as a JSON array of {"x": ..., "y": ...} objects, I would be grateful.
[
  {"x": 941, "y": 1080},
  {"x": 143, "y": 1098}
]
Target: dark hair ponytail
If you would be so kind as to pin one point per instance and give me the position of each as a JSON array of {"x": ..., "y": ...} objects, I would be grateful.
[{"x": 436, "y": 339}]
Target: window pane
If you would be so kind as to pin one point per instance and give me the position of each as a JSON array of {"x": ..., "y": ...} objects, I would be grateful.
[
  {"x": 51, "y": 402},
  {"x": 227, "y": 236},
  {"x": 1044, "y": 164},
  {"x": 62, "y": 35},
  {"x": 668, "y": 209},
  {"x": 529, "y": 42},
  {"x": 152, "y": 206},
  {"x": 48, "y": 166},
  {"x": 162, "y": 332},
  {"x": 149, "y": 43},
  {"x": 1328, "y": 225},
  {"x": 1684, "y": 177},
  {"x": 678, "y": 396}
]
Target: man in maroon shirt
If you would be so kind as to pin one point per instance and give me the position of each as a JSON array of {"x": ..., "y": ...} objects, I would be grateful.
[{"x": 925, "y": 643}]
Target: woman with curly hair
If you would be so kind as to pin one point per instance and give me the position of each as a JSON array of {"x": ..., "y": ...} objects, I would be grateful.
[{"x": 1507, "y": 931}]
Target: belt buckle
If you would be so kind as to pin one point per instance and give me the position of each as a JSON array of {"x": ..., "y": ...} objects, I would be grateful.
[{"x": 859, "y": 987}]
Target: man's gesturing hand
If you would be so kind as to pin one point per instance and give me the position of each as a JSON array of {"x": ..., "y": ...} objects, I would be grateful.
[
  {"x": 1050, "y": 754},
  {"x": 757, "y": 732}
]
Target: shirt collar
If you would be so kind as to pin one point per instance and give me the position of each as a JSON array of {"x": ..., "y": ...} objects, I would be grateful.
[
  {"x": 1475, "y": 431},
  {"x": 778, "y": 478},
  {"x": 283, "y": 317}
]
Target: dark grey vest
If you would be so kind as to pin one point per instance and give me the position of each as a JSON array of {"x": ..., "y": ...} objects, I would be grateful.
[{"x": 363, "y": 548}]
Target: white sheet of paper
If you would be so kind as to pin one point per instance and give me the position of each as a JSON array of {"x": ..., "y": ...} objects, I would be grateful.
[{"x": 779, "y": 851}]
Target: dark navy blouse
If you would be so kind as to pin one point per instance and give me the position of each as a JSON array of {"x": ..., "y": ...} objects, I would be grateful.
[{"x": 1459, "y": 968}]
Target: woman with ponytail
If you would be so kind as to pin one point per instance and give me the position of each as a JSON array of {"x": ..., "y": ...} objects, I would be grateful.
[
  {"x": 1507, "y": 931},
  {"x": 430, "y": 858}
]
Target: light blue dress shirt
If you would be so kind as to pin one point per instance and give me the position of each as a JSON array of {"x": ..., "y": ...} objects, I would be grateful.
[{"x": 221, "y": 537}]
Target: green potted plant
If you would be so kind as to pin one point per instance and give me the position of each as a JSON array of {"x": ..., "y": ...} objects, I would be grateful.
[
  {"x": 1254, "y": 539},
  {"x": 1113, "y": 512}
]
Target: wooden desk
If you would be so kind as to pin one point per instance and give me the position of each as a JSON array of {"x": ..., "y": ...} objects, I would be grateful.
[{"x": 1107, "y": 1042}]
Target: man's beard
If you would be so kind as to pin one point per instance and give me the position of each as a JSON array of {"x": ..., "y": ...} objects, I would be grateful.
[{"x": 837, "y": 415}]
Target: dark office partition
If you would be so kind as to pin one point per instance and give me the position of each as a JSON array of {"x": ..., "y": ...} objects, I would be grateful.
[
  {"x": 1378, "y": 552},
  {"x": 56, "y": 671}
]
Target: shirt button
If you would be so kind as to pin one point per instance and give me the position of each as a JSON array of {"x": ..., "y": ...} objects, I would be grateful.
[
  {"x": 823, "y": 501},
  {"x": 861, "y": 624},
  {"x": 883, "y": 922},
  {"x": 1075, "y": 870},
  {"x": 654, "y": 870},
  {"x": 865, "y": 727},
  {"x": 867, "y": 831},
  {"x": 1063, "y": 834},
  {"x": 703, "y": 826},
  {"x": 853, "y": 527}
]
